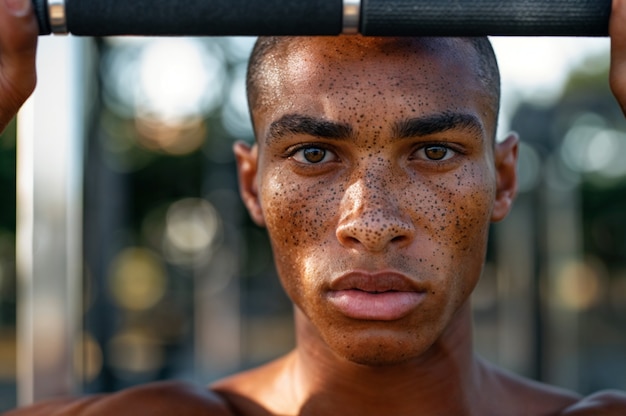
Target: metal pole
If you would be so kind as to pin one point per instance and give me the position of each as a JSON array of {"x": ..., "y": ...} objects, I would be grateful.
[{"x": 49, "y": 223}]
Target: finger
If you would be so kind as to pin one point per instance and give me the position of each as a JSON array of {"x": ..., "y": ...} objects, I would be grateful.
[
  {"x": 18, "y": 42},
  {"x": 617, "y": 31}
]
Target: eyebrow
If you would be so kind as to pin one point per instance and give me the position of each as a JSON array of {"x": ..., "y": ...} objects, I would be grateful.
[
  {"x": 312, "y": 126},
  {"x": 413, "y": 127},
  {"x": 437, "y": 123}
]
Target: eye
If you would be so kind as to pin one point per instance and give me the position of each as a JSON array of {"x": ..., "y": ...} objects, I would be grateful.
[
  {"x": 313, "y": 155},
  {"x": 435, "y": 152}
]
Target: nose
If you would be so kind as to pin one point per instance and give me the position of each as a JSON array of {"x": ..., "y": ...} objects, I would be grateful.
[{"x": 372, "y": 218}]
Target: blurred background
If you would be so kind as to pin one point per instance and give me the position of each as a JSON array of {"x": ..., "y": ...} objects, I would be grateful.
[{"x": 156, "y": 272}]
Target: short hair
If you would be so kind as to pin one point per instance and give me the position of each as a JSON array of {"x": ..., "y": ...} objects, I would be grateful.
[{"x": 487, "y": 68}]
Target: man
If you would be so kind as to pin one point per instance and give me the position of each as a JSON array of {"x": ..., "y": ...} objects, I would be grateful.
[{"x": 376, "y": 172}]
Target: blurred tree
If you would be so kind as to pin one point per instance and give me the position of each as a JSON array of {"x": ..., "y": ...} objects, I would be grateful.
[
  {"x": 580, "y": 141},
  {"x": 7, "y": 267}
]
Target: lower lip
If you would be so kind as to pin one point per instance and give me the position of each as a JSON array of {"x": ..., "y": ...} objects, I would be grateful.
[{"x": 385, "y": 306}]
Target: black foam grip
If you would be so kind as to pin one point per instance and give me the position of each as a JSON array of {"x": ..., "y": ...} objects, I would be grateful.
[
  {"x": 204, "y": 17},
  {"x": 41, "y": 11},
  {"x": 324, "y": 17},
  {"x": 485, "y": 17}
]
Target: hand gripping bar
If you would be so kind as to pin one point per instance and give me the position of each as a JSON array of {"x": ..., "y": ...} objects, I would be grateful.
[{"x": 324, "y": 17}]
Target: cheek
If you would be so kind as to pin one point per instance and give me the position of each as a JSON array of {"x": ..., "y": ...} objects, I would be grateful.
[
  {"x": 454, "y": 218},
  {"x": 471, "y": 222},
  {"x": 476, "y": 188},
  {"x": 300, "y": 218},
  {"x": 297, "y": 213},
  {"x": 457, "y": 210}
]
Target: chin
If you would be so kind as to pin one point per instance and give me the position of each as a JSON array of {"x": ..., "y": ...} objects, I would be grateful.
[
  {"x": 378, "y": 360},
  {"x": 380, "y": 349}
]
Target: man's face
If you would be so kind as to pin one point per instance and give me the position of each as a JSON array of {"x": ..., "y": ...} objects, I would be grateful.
[{"x": 377, "y": 181}]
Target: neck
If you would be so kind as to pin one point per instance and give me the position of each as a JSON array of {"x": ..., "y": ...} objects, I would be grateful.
[{"x": 446, "y": 379}]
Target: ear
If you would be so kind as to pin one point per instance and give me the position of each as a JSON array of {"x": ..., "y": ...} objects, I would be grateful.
[
  {"x": 506, "y": 176},
  {"x": 247, "y": 164}
]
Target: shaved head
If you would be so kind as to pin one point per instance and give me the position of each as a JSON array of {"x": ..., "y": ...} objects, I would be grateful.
[{"x": 271, "y": 54}]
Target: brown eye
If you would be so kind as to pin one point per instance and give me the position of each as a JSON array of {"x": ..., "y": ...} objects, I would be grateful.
[
  {"x": 314, "y": 154},
  {"x": 436, "y": 152}
]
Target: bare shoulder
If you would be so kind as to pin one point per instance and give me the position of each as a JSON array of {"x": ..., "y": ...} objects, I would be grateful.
[
  {"x": 261, "y": 391},
  {"x": 163, "y": 398},
  {"x": 604, "y": 403},
  {"x": 512, "y": 394},
  {"x": 521, "y": 396}
]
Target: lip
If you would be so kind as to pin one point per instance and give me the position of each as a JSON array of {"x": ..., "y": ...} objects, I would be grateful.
[{"x": 384, "y": 296}]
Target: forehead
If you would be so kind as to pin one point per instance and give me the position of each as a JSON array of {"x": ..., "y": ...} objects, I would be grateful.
[
  {"x": 324, "y": 54},
  {"x": 331, "y": 76}
]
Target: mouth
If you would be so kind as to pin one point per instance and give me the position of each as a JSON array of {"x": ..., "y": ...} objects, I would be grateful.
[{"x": 377, "y": 297}]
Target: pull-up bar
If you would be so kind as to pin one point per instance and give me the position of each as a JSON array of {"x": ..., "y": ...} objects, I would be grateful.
[{"x": 324, "y": 17}]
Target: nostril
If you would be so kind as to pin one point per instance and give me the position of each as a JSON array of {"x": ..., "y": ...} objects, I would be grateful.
[
  {"x": 373, "y": 236},
  {"x": 399, "y": 239}
]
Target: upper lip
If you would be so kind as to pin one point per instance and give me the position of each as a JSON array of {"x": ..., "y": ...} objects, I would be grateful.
[{"x": 388, "y": 281}]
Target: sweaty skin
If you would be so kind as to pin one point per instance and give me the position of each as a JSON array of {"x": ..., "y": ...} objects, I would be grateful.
[
  {"x": 375, "y": 207},
  {"x": 376, "y": 175}
]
